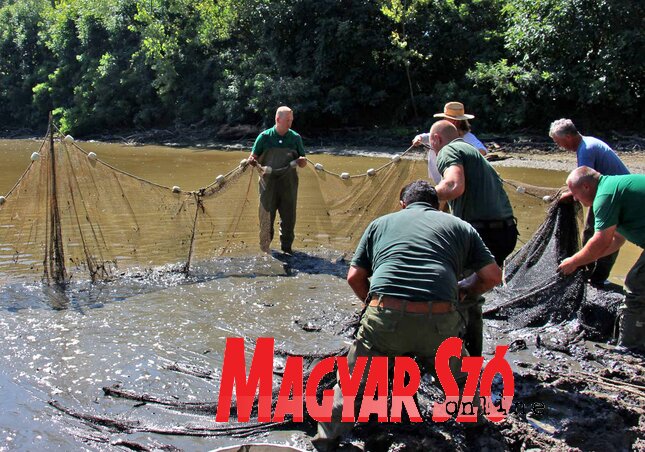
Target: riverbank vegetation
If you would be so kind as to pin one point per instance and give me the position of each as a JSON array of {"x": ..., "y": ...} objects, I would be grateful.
[{"x": 201, "y": 64}]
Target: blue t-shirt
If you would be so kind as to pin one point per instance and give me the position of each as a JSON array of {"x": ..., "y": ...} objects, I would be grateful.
[{"x": 599, "y": 156}]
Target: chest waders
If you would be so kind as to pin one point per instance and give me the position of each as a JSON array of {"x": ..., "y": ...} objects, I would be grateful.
[
  {"x": 632, "y": 312},
  {"x": 278, "y": 193}
]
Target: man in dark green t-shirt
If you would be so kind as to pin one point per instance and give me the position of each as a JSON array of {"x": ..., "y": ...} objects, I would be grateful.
[
  {"x": 617, "y": 203},
  {"x": 406, "y": 271},
  {"x": 476, "y": 195},
  {"x": 278, "y": 150}
]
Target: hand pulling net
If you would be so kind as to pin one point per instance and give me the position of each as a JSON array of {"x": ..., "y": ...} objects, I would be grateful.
[{"x": 534, "y": 293}]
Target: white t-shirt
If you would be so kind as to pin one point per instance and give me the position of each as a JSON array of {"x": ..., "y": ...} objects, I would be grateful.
[
  {"x": 433, "y": 171},
  {"x": 473, "y": 141}
]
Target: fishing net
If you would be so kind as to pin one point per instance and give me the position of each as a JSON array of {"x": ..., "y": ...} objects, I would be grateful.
[
  {"x": 72, "y": 215},
  {"x": 536, "y": 294}
]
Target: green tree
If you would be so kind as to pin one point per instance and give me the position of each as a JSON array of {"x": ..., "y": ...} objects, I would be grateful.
[
  {"x": 579, "y": 58},
  {"x": 21, "y": 60}
]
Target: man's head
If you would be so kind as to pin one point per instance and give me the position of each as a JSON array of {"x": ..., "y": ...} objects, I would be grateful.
[
  {"x": 418, "y": 191},
  {"x": 283, "y": 119},
  {"x": 583, "y": 184},
  {"x": 564, "y": 134},
  {"x": 441, "y": 133}
]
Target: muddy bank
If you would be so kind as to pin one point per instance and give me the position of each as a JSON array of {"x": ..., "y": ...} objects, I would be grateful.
[
  {"x": 529, "y": 150},
  {"x": 573, "y": 390},
  {"x": 571, "y": 393},
  {"x": 160, "y": 336}
]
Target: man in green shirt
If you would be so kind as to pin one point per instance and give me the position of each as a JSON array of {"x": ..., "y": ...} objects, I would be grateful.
[
  {"x": 406, "y": 270},
  {"x": 617, "y": 203},
  {"x": 278, "y": 150},
  {"x": 475, "y": 193}
]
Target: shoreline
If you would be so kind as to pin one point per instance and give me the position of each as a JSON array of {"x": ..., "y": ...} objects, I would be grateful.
[{"x": 519, "y": 154}]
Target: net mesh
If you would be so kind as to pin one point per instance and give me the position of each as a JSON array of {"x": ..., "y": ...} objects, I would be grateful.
[
  {"x": 72, "y": 215},
  {"x": 535, "y": 293}
]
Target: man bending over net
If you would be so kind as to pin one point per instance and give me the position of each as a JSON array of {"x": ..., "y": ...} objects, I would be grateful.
[
  {"x": 598, "y": 156},
  {"x": 617, "y": 203},
  {"x": 406, "y": 270},
  {"x": 475, "y": 194}
]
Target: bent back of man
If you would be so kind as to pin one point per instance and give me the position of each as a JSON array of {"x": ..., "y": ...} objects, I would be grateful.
[{"x": 406, "y": 270}]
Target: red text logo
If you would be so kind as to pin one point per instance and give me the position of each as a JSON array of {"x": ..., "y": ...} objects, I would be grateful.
[{"x": 294, "y": 395}]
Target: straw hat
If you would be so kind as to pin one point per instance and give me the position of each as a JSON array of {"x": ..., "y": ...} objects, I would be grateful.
[{"x": 454, "y": 110}]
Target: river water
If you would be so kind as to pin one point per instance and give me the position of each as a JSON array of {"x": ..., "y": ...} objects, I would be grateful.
[{"x": 67, "y": 345}]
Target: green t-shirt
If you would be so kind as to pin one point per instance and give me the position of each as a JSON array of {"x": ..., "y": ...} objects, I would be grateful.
[
  {"x": 619, "y": 201},
  {"x": 270, "y": 139},
  {"x": 418, "y": 253},
  {"x": 484, "y": 197}
]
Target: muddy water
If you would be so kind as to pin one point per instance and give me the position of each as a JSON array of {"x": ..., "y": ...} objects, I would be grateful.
[
  {"x": 66, "y": 346},
  {"x": 192, "y": 168}
]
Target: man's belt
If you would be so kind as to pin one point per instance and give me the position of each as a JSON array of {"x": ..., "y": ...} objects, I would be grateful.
[
  {"x": 493, "y": 224},
  {"x": 415, "y": 307}
]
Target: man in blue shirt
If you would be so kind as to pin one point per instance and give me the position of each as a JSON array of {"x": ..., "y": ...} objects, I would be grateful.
[{"x": 597, "y": 155}]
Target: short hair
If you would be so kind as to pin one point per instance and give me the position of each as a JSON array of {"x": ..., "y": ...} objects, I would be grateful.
[
  {"x": 282, "y": 110},
  {"x": 419, "y": 191},
  {"x": 562, "y": 127},
  {"x": 445, "y": 129},
  {"x": 583, "y": 175}
]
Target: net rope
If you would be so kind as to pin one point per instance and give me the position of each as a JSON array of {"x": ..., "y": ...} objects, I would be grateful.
[
  {"x": 95, "y": 221},
  {"x": 72, "y": 215}
]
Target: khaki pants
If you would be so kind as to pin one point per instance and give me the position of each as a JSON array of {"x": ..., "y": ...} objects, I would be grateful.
[
  {"x": 386, "y": 332},
  {"x": 632, "y": 321}
]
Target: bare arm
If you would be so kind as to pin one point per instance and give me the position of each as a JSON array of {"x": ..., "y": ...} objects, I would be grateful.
[
  {"x": 422, "y": 138},
  {"x": 357, "y": 278},
  {"x": 601, "y": 244},
  {"x": 452, "y": 185},
  {"x": 482, "y": 281}
]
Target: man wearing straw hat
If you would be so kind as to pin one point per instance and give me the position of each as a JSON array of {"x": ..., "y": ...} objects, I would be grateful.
[
  {"x": 475, "y": 193},
  {"x": 278, "y": 150},
  {"x": 453, "y": 112}
]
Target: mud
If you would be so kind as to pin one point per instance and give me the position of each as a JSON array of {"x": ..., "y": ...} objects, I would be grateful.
[
  {"x": 135, "y": 363},
  {"x": 571, "y": 393}
]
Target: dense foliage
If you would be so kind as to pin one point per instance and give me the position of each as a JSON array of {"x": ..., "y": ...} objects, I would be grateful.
[{"x": 120, "y": 64}]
